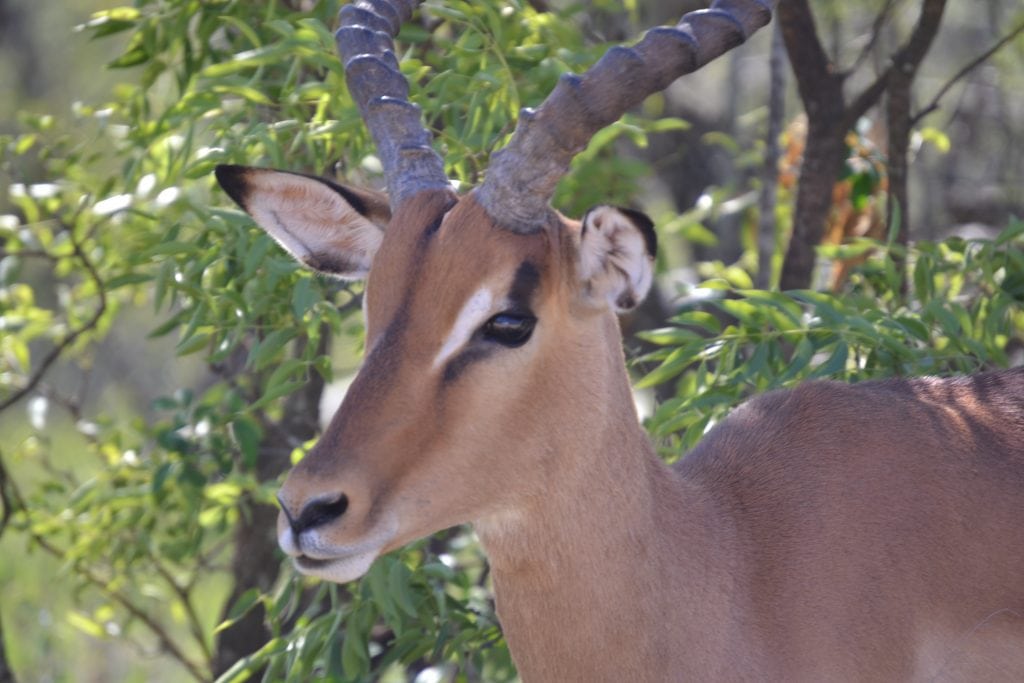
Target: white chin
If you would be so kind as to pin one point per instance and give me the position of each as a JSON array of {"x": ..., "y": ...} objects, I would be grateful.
[{"x": 338, "y": 570}]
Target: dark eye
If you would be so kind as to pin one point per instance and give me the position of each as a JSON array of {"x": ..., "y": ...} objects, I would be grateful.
[{"x": 509, "y": 329}]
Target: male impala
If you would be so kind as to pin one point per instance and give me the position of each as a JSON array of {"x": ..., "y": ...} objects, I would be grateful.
[{"x": 829, "y": 533}]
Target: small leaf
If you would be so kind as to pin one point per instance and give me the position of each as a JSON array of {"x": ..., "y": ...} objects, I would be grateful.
[
  {"x": 245, "y": 602},
  {"x": 268, "y": 348},
  {"x": 86, "y": 625},
  {"x": 247, "y": 435},
  {"x": 355, "y": 659},
  {"x": 127, "y": 279},
  {"x": 275, "y": 392},
  {"x": 398, "y": 585}
]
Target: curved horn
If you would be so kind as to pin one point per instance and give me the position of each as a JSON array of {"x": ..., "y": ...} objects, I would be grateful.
[
  {"x": 522, "y": 176},
  {"x": 366, "y": 45}
]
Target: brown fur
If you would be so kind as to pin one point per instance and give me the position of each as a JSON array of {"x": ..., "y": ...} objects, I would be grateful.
[{"x": 831, "y": 533}]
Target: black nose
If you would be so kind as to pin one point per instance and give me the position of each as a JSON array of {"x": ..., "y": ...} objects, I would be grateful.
[{"x": 318, "y": 512}]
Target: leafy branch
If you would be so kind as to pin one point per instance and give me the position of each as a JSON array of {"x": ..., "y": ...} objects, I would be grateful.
[{"x": 65, "y": 343}]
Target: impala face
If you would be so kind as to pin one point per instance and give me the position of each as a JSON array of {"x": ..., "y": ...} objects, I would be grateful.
[{"x": 461, "y": 321}]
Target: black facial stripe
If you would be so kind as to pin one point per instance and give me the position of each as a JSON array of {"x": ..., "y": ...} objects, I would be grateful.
[
  {"x": 435, "y": 226},
  {"x": 470, "y": 355},
  {"x": 525, "y": 282}
]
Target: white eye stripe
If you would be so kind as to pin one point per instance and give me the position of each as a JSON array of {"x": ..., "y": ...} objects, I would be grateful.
[{"x": 475, "y": 311}]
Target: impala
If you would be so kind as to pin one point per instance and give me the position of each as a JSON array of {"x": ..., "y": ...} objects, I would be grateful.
[{"x": 833, "y": 532}]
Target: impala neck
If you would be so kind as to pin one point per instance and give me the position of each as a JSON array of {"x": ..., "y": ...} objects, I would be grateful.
[{"x": 617, "y": 543}]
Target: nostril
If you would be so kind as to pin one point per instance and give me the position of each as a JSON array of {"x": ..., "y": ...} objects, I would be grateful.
[{"x": 319, "y": 512}]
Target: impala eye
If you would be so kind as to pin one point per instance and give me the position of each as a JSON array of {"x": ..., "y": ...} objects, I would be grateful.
[{"x": 509, "y": 329}]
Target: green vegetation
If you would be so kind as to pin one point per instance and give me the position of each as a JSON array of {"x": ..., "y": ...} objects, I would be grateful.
[{"x": 124, "y": 505}]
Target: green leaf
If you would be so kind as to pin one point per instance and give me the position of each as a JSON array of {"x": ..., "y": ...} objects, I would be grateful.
[
  {"x": 247, "y": 435},
  {"x": 136, "y": 53},
  {"x": 355, "y": 659},
  {"x": 196, "y": 342},
  {"x": 399, "y": 577},
  {"x": 269, "y": 347},
  {"x": 127, "y": 279},
  {"x": 245, "y": 602},
  {"x": 275, "y": 392},
  {"x": 303, "y": 297},
  {"x": 836, "y": 363},
  {"x": 86, "y": 624}
]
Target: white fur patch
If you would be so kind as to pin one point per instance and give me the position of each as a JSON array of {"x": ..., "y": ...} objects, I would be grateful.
[
  {"x": 474, "y": 312},
  {"x": 337, "y": 563},
  {"x": 614, "y": 262}
]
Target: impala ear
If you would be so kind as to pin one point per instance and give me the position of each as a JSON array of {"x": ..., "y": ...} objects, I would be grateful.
[
  {"x": 331, "y": 228},
  {"x": 617, "y": 248}
]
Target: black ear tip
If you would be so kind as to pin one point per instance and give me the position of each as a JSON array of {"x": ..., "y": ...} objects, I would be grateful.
[{"x": 232, "y": 179}]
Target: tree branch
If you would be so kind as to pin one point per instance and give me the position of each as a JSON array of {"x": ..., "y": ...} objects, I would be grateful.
[
  {"x": 766, "y": 225},
  {"x": 194, "y": 625},
  {"x": 908, "y": 56},
  {"x": 70, "y": 338},
  {"x": 6, "y": 673},
  {"x": 167, "y": 643},
  {"x": 12, "y": 501},
  {"x": 966, "y": 69},
  {"x": 810, "y": 62},
  {"x": 876, "y": 31}
]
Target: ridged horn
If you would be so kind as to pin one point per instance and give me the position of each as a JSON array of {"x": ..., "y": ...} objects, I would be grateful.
[
  {"x": 366, "y": 45},
  {"x": 522, "y": 176}
]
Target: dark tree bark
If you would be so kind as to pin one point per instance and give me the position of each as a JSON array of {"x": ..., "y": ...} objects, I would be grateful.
[
  {"x": 256, "y": 562},
  {"x": 17, "y": 38},
  {"x": 6, "y": 674},
  {"x": 898, "y": 116},
  {"x": 821, "y": 89},
  {"x": 766, "y": 226},
  {"x": 820, "y": 84}
]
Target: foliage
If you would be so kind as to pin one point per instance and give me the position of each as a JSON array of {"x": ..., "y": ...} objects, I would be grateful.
[
  {"x": 113, "y": 226},
  {"x": 112, "y": 216},
  {"x": 965, "y": 313}
]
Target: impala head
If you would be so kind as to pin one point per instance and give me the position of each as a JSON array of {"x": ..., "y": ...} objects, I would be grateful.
[{"x": 490, "y": 318}]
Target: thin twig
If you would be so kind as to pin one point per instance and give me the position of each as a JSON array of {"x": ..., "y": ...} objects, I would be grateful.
[
  {"x": 908, "y": 56},
  {"x": 13, "y": 501},
  {"x": 876, "y": 31},
  {"x": 193, "y": 619},
  {"x": 59, "y": 349},
  {"x": 167, "y": 643},
  {"x": 966, "y": 69}
]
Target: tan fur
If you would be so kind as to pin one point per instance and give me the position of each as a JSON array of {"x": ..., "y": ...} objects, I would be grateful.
[{"x": 872, "y": 532}]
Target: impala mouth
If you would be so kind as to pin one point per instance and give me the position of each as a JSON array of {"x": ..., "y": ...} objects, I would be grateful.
[
  {"x": 338, "y": 563},
  {"x": 337, "y": 569},
  {"x": 309, "y": 564}
]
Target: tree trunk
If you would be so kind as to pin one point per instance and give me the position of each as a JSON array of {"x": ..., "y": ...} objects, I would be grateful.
[
  {"x": 900, "y": 124},
  {"x": 6, "y": 674},
  {"x": 821, "y": 89},
  {"x": 766, "y": 225},
  {"x": 256, "y": 561}
]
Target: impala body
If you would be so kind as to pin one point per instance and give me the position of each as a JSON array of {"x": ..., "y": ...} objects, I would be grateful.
[{"x": 829, "y": 533}]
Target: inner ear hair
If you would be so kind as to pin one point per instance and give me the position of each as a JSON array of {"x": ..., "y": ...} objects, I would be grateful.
[
  {"x": 645, "y": 225},
  {"x": 616, "y": 255},
  {"x": 639, "y": 219},
  {"x": 332, "y": 228}
]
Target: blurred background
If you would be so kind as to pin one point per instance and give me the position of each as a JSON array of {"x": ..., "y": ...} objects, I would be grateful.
[{"x": 162, "y": 362}]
